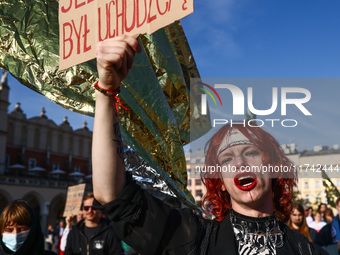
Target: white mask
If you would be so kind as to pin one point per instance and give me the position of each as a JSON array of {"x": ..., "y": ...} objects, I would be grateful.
[{"x": 14, "y": 241}]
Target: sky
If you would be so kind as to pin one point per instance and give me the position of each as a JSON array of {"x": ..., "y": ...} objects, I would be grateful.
[{"x": 252, "y": 39}]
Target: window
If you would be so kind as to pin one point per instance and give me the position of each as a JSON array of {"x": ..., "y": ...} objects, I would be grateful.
[
  {"x": 55, "y": 166},
  {"x": 32, "y": 163},
  {"x": 338, "y": 183},
  {"x": 306, "y": 185},
  {"x": 307, "y": 199},
  {"x": 199, "y": 193},
  {"x": 318, "y": 198},
  {"x": 198, "y": 182},
  {"x": 189, "y": 182},
  {"x": 317, "y": 184}
]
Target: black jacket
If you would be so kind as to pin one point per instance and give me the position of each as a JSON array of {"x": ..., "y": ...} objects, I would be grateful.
[
  {"x": 151, "y": 227},
  {"x": 34, "y": 244},
  {"x": 324, "y": 237},
  {"x": 105, "y": 242}
]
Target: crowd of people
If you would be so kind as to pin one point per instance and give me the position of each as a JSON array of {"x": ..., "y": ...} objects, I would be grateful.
[
  {"x": 90, "y": 233},
  {"x": 319, "y": 226},
  {"x": 87, "y": 233}
]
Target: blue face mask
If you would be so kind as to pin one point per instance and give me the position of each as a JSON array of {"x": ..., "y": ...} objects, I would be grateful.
[{"x": 14, "y": 241}]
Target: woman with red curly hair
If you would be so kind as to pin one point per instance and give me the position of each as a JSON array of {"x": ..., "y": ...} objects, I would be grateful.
[
  {"x": 249, "y": 207},
  {"x": 244, "y": 148}
]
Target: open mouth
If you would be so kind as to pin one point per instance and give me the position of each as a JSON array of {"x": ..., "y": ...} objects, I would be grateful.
[{"x": 245, "y": 181}]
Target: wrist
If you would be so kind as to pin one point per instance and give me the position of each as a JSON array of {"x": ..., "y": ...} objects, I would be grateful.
[
  {"x": 109, "y": 96},
  {"x": 106, "y": 92},
  {"x": 104, "y": 98}
]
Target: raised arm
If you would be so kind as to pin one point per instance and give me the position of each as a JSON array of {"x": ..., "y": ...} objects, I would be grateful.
[{"x": 114, "y": 60}]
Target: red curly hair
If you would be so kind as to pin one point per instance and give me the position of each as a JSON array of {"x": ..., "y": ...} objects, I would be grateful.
[{"x": 217, "y": 202}]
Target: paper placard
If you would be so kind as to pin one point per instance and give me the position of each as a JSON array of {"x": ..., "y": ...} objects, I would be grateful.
[
  {"x": 83, "y": 23},
  {"x": 74, "y": 199}
]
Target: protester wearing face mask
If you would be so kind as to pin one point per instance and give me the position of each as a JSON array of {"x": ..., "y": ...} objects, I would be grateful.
[{"x": 20, "y": 231}]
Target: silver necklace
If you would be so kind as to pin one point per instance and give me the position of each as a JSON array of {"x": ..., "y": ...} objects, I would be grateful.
[{"x": 259, "y": 233}]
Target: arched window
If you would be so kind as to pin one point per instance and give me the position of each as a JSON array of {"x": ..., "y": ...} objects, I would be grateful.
[
  {"x": 318, "y": 198},
  {"x": 307, "y": 199}
]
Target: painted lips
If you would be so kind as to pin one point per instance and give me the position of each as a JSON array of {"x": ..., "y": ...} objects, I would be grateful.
[{"x": 245, "y": 181}]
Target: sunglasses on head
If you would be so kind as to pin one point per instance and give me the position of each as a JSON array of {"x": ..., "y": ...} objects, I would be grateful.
[{"x": 87, "y": 208}]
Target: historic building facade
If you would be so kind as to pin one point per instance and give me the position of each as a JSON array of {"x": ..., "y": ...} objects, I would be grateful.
[
  {"x": 39, "y": 159},
  {"x": 310, "y": 164}
]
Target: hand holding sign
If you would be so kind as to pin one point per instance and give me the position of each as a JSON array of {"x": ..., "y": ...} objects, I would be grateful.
[{"x": 84, "y": 23}]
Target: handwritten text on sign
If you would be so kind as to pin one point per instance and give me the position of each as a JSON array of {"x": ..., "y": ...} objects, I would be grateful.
[
  {"x": 74, "y": 199},
  {"x": 82, "y": 23}
]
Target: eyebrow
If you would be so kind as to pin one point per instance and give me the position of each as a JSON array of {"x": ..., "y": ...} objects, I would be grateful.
[
  {"x": 226, "y": 152},
  {"x": 18, "y": 226}
]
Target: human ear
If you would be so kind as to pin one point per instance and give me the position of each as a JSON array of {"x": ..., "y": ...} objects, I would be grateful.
[{"x": 223, "y": 188}]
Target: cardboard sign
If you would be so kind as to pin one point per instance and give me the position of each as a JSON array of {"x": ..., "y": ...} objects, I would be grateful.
[
  {"x": 83, "y": 23},
  {"x": 74, "y": 199}
]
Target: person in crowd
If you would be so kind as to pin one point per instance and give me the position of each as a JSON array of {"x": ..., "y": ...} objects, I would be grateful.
[
  {"x": 58, "y": 232},
  {"x": 297, "y": 221},
  {"x": 317, "y": 224},
  {"x": 243, "y": 204},
  {"x": 329, "y": 236},
  {"x": 70, "y": 221},
  {"x": 322, "y": 209},
  {"x": 20, "y": 231},
  {"x": 309, "y": 217},
  {"x": 329, "y": 215},
  {"x": 49, "y": 237},
  {"x": 92, "y": 235}
]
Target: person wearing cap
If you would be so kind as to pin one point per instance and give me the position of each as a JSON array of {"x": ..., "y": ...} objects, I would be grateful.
[{"x": 249, "y": 208}]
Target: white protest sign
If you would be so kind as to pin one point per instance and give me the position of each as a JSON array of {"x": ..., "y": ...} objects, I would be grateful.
[
  {"x": 74, "y": 199},
  {"x": 83, "y": 23}
]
